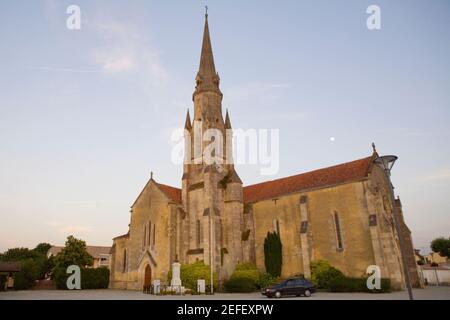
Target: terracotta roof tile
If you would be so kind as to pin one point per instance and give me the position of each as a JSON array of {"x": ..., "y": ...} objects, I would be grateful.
[
  {"x": 321, "y": 178},
  {"x": 94, "y": 251},
  {"x": 9, "y": 266},
  {"x": 173, "y": 193}
]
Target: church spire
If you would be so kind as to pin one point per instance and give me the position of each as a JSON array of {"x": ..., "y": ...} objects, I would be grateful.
[
  {"x": 188, "y": 125},
  {"x": 227, "y": 121},
  {"x": 207, "y": 78}
]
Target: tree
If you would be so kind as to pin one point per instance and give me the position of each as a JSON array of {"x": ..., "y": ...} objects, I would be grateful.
[
  {"x": 34, "y": 264},
  {"x": 74, "y": 253},
  {"x": 42, "y": 248},
  {"x": 442, "y": 246},
  {"x": 17, "y": 254},
  {"x": 273, "y": 254}
]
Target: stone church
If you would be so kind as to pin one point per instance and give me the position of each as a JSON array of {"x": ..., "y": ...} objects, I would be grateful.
[{"x": 342, "y": 214}]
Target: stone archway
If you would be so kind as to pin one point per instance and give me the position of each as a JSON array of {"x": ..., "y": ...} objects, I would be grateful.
[{"x": 147, "y": 276}]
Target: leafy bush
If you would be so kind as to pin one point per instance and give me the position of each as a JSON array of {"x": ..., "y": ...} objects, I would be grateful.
[
  {"x": 90, "y": 278},
  {"x": 246, "y": 270},
  {"x": 323, "y": 273},
  {"x": 240, "y": 285},
  {"x": 266, "y": 280},
  {"x": 95, "y": 278},
  {"x": 190, "y": 273},
  {"x": 347, "y": 284},
  {"x": 29, "y": 273},
  {"x": 59, "y": 277},
  {"x": 2, "y": 281}
]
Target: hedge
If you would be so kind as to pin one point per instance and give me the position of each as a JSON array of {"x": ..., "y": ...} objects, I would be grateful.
[
  {"x": 347, "y": 284},
  {"x": 266, "y": 280},
  {"x": 327, "y": 277},
  {"x": 90, "y": 278},
  {"x": 323, "y": 273},
  {"x": 246, "y": 270},
  {"x": 3, "y": 278},
  {"x": 240, "y": 285},
  {"x": 245, "y": 278}
]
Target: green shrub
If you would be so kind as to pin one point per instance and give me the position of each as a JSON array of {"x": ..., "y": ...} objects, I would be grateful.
[
  {"x": 95, "y": 278},
  {"x": 244, "y": 278},
  {"x": 323, "y": 274},
  {"x": 245, "y": 266},
  {"x": 59, "y": 277},
  {"x": 190, "y": 273},
  {"x": 266, "y": 280},
  {"x": 27, "y": 276},
  {"x": 246, "y": 270},
  {"x": 240, "y": 285},
  {"x": 347, "y": 284},
  {"x": 90, "y": 278},
  {"x": 3, "y": 278}
]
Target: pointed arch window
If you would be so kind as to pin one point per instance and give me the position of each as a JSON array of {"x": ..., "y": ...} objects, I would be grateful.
[
  {"x": 337, "y": 228},
  {"x": 149, "y": 238},
  {"x": 144, "y": 238},
  {"x": 198, "y": 233},
  {"x": 153, "y": 235},
  {"x": 124, "y": 261}
]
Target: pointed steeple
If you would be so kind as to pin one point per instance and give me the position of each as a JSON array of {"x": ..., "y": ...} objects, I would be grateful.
[
  {"x": 227, "y": 121},
  {"x": 207, "y": 78},
  {"x": 188, "y": 125}
]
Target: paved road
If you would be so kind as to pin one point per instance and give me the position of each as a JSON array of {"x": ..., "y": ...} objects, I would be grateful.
[{"x": 429, "y": 293}]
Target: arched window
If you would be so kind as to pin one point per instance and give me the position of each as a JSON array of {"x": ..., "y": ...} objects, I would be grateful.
[
  {"x": 144, "y": 238},
  {"x": 154, "y": 235},
  {"x": 124, "y": 262},
  {"x": 149, "y": 232},
  {"x": 197, "y": 229},
  {"x": 337, "y": 228}
]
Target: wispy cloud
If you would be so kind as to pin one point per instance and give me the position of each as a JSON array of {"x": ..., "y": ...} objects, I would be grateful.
[
  {"x": 292, "y": 115},
  {"x": 440, "y": 175},
  {"x": 52, "y": 69},
  {"x": 70, "y": 228},
  {"x": 124, "y": 49},
  {"x": 116, "y": 64}
]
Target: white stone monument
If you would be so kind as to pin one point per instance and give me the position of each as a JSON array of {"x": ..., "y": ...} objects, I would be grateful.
[
  {"x": 156, "y": 286},
  {"x": 201, "y": 286},
  {"x": 175, "y": 283}
]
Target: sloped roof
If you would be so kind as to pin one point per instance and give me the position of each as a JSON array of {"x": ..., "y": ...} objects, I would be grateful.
[
  {"x": 8, "y": 266},
  {"x": 342, "y": 173},
  {"x": 94, "y": 251},
  {"x": 172, "y": 193},
  {"x": 321, "y": 178}
]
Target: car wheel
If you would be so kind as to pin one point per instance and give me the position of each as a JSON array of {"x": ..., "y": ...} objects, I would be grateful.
[
  {"x": 278, "y": 294},
  {"x": 307, "y": 293}
]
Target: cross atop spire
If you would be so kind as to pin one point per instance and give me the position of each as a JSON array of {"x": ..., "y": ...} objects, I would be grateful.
[{"x": 207, "y": 78}]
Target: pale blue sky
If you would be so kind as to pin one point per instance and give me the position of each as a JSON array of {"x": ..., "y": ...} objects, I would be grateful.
[{"x": 86, "y": 115}]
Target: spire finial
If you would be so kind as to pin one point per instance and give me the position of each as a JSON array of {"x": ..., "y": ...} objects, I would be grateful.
[
  {"x": 374, "y": 148},
  {"x": 227, "y": 120},
  {"x": 206, "y": 11},
  {"x": 151, "y": 175}
]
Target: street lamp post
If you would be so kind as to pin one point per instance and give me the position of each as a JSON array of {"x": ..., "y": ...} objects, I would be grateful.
[{"x": 386, "y": 163}]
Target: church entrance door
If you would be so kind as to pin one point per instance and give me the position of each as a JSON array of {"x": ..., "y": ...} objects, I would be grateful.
[{"x": 147, "y": 278}]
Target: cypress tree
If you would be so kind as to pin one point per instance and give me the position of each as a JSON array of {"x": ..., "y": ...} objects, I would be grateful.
[{"x": 273, "y": 258}]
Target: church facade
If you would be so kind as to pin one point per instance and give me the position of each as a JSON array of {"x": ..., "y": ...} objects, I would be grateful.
[{"x": 342, "y": 214}]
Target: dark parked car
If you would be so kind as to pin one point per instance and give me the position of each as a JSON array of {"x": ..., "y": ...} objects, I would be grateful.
[{"x": 290, "y": 287}]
